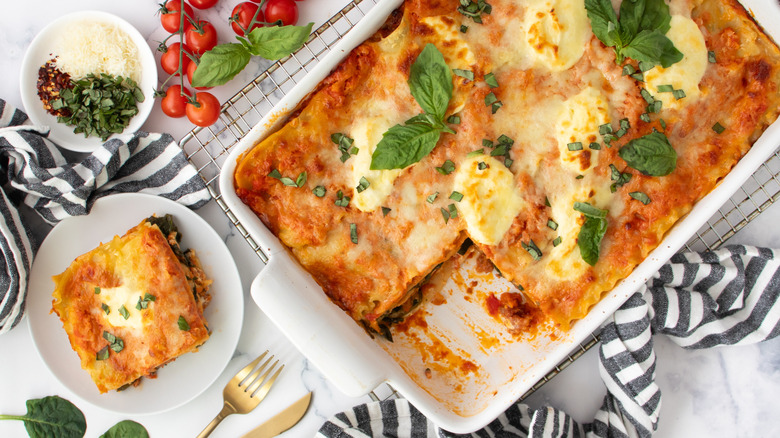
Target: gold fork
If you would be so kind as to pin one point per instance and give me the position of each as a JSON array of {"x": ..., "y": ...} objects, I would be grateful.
[{"x": 241, "y": 393}]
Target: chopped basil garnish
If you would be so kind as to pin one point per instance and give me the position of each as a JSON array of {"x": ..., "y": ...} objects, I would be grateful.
[
  {"x": 453, "y": 119},
  {"x": 482, "y": 165},
  {"x": 344, "y": 144},
  {"x": 353, "y": 236},
  {"x": 718, "y": 128},
  {"x": 447, "y": 168},
  {"x": 386, "y": 211},
  {"x": 711, "y": 57},
  {"x": 453, "y": 210},
  {"x": 640, "y": 196},
  {"x": 646, "y": 96},
  {"x": 663, "y": 124},
  {"x": 576, "y": 146},
  {"x": 595, "y": 146},
  {"x": 299, "y": 181},
  {"x": 620, "y": 178},
  {"x": 579, "y": 177},
  {"x": 123, "y": 311},
  {"x": 464, "y": 28},
  {"x": 319, "y": 191},
  {"x": 341, "y": 200},
  {"x": 592, "y": 231},
  {"x": 551, "y": 224},
  {"x": 474, "y": 9},
  {"x": 445, "y": 214},
  {"x": 143, "y": 302},
  {"x": 487, "y": 143},
  {"x": 105, "y": 308},
  {"x": 467, "y": 74},
  {"x": 605, "y": 129},
  {"x": 362, "y": 184},
  {"x": 432, "y": 197},
  {"x": 102, "y": 354},
  {"x": 650, "y": 154},
  {"x": 638, "y": 76},
  {"x": 491, "y": 81},
  {"x": 644, "y": 117},
  {"x": 532, "y": 249},
  {"x": 678, "y": 94},
  {"x": 456, "y": 196},
  {"x": 115, "y": 343},
  {"x": 628, "y": 70},
  {"x": 557, "y": 241},
  {"x": 475, "y": 153},
  {"x": 666, "y": 88},
  {"x": 183, "y": 324},
  {"x": 97, "y": 290},
  {"x": 547, "y": 201},
  {"x": 490, "y": 99}
]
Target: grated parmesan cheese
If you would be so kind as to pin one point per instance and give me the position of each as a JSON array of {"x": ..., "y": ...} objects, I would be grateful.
[{"x": 90, "y": 47}]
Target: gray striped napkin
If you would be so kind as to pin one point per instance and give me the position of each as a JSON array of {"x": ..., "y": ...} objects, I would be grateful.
[
  {"x": 35, "y": 175},
  {"x": 698, "y": 300}
]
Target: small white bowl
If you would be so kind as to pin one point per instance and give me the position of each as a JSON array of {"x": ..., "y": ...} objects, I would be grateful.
[{"x": 41, "y": 51}]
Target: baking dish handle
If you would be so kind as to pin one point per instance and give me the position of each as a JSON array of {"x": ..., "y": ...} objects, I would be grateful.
[{"x": 321, "y": 331}]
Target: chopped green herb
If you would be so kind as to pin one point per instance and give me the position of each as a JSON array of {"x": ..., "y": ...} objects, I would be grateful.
[
  {"x": 490, "y": 99},
  {"x": 102, "y": 354},
  {"x": 495, "y": 106},
  {"x": 319, "y": 191},
  {"x": 678, "y": 94},
  {"x": 595, "y": 146},
  {"x": 576, "y": 146},
  {"x": 508, "y": 162},
  {"x": 645, "y": 66},
  {"x": 482, "y": 165},
  {"x": 644, "y": 117},
  {"x": 663, "y": 124},
  {"x": 532, "y": 249},
  {"x": 491, "y": 81},
  {"x": 362, "y": 184},
  {"x": 143, "y": 302},
  {"x": 474, "y": 9},
  {"x": 666, "y": 88},
  {"x": 467, "y": 74},
  {"x": 475, "y": 153},
  {"x": 711, "y": 57},
  {"x": 115, "y": 343},
  {"x": 123, "y": 311},
  {"x": 625, "y": 124},
  {"x": 647, "y": 96},
  {"x": 97, "y": 290},
  {"x": 432, "y": 197},
  {"x": 579, "y": 177},
  {"x": 299, "y": 182},
  {"x": 551, "y": 224},
  {"x": 487, "y": 143},
  {"x": 341, "y": 200},
  {"x": 456, "y": 196},
  {"x": 344, "y": 144},
  {"x": 453, "y": 210},
  {"x": 640, "y": 196},
  {"x": 386, "y": 211},
  {"x": 504, "y": 139},
  {"x": 557, "y": 241},
  {"x": 547, "y": 201},
  {"x": 183, "y": 324},
  {"x": 453, "y": 119},
  {"x": 718, "y": 128},
  {"x": 628, "y": 70},
  {"x": 445, "y": 214},
  {"x": 105, "y": 308},
  {"x": 447, "y": 168},
  {"x": 589, "y": 210},
  {"x": 353, "y": 236},
  {"x": 605, "y": 129},
  {"x": 638, "y": 76},
  {"x": 464, "y": 28},
  {"x": 620, "y": 178}
]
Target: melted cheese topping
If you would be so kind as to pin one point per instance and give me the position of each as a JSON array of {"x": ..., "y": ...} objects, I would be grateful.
[
  {"x": 490, "y": 200},
  {"x": 125, "y": 295},
  {"x": 367, "y": 133},
  {"x": 578, "y": 122},
  {"x": 556, "y": 32},
  {"x": 686, "y": 74}
]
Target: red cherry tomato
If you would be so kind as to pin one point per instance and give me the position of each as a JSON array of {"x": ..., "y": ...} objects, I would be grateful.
[
  {"x": 284, "y": 10},
  {"x": 170, "y": 59},
  {"x": 203, "y": 40},
  {"x": 206, "y": 111},
  {"x": 191, "y": 71},
  {"x": 242, "y": 15},
  {"x": 170, "y": 20},
  {"x": 203, "y": 4},
  {"x": 174, "y": 104}
]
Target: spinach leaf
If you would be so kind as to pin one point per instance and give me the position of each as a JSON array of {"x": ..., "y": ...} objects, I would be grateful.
[
  {"x": 221, "y": 64},
  {"x": 52, "y": 416},
  {"x": 430, "y": 81},
  {"x": 650, "y": 154},
  {"x": 126, "y": 429},
  {"x": 404, "y": 145}
]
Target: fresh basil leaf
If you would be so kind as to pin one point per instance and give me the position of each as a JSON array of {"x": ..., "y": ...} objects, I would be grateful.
[
  {"x": 654, "y": 47},
  {"x": 589, "y": 238},
  {"x": 220, "y": 64},
  {"x": 590, "y": 211},
  {"x": 126, "y": 429},
  {"x": 402, "y": 146},
  {"x": 276, "y": 42},
  {"x": 656, "y": 16},
  {"x": 601, "y": 14},
  {"x": 425, "y": 119},
  {"x": 631, "y": 12},
  {"x": 183, "y": 324},
  {"x": 430, "y": 81},
  {"x": 650, "y": 154}
]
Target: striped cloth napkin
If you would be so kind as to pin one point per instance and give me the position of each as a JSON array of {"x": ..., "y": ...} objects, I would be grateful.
[
  {"x": 36, "y": 174},
  {"x": 698, "y": 300}
]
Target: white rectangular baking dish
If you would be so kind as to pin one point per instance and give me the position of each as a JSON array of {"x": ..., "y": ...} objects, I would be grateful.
[{"x": 457, "y": 399}]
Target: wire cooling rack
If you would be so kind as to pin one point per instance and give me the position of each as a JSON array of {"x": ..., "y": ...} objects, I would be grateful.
[{"x": 208, "y": 148}]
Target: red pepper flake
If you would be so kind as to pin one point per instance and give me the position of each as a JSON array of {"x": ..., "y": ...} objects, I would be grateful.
[{"x": 51, "y": 81}]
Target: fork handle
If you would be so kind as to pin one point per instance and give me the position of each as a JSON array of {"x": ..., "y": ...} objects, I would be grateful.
[{"x": 226, "y": 410}]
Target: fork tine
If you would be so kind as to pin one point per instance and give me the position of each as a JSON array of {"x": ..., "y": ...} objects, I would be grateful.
[
  {"x": 261, "y": 393},
  {"x": 248, "y": 381},
  {"x": 241, "y": 375}
]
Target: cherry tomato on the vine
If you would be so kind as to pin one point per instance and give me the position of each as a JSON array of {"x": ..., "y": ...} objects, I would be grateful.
[
  {"x": 242, "y": 15},
  {"x": 191, "y": 71},
  {"x": 203, "y": 4},
  {"x": 171, "y": 20},
  {"x": 170, "y": 59},
  {"x": 284, "y": 10},
  {"x": 174, "y": 104},
  {"x": 206, "y": 111},
  {"x": 202, "y": 37}
]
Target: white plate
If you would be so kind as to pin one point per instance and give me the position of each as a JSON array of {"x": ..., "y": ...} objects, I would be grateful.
[
  {"x": 179, "y": 381},
  {"x": 40, "y": 51}
]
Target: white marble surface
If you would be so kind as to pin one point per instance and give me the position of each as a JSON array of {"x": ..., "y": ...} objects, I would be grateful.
[{"x": 725, "y": 392}]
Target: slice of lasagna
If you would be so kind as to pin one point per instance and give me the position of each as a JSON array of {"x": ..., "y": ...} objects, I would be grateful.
[{"x": 133, "y": 304}]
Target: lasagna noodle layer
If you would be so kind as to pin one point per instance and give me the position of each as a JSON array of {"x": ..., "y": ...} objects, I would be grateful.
[
  {"x": 100, "y": 291},
  {"x": 550, "y": 96}
]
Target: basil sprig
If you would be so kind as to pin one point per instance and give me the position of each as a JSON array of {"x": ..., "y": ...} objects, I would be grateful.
[
  {"x": 592, "y": 231},
  {"x": 222, "y": 63},
  {"x": 639, "y": 33},
  {"x": 430, "y": 82},
  {"x": 650, "y": 154}
]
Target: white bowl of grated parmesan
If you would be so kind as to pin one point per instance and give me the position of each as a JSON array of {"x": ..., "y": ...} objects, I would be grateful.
[{"x": 80, "y": 44}]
